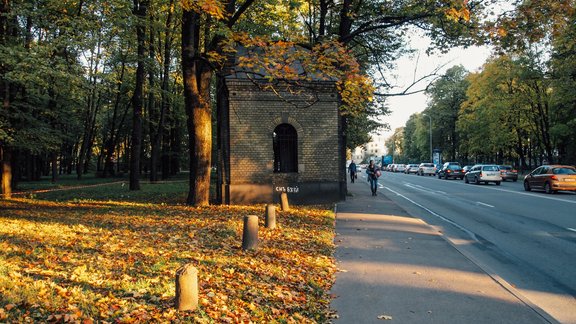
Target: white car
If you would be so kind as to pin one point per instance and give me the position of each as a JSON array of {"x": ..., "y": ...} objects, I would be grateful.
[
  {"x": 400, "y": 168},
  {"x": 411, "y": 168},
  {"x": 483, "y": 173},
  {"x": 426, "y": 169}
]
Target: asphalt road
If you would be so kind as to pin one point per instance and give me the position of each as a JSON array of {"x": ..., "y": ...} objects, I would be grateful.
[{"x": 525, "y": 240}]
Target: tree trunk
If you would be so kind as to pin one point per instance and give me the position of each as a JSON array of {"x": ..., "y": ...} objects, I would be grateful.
[
  {"x": 223, "y": 129},
  {"x": 175, "y": 147},
  {"x": 139, "y": 10},
  {"x": 156, "y": 141},
  {"x": 112, "y": 141},
  {"x": 89, "y": 118},
  {"x": 197, "y": 75},
  {"x": 345, "y": 25},
  {"x": 165, "y": 100},
  {"x": 5, "y": 152},
  {"x": 322, "y": 19},
  {"x": 154, "y": 119},
  {"x": 54, "y": 164},
  {"x": 5, "y": 159}
]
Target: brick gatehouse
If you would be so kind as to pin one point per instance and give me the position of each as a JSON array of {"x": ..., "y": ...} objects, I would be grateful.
[{"x": 288, "y": 139}]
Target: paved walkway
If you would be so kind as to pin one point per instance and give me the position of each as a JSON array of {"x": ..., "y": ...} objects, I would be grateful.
[{"x": 394, "y": 267}]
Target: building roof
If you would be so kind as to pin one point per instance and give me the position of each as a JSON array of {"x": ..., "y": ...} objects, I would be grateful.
[{"x": 249, "y": 63}]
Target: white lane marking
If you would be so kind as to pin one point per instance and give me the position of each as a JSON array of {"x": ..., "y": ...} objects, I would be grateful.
[
  {"x": 417, "y": 187},
  {"x": 421, "y": 188},
  {"x": 471, "y": 234},
  {"x": 571, "y": 229},
  {"x": 483, "y": 204}
]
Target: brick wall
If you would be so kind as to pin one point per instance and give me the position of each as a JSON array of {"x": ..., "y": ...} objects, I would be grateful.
[{"x": 255, "y": 113}]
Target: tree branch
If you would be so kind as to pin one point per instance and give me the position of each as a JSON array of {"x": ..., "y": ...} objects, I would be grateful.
[
  {"x": 239, "y": 13},
  {"x": 381, "y": 23},
  {"x": 415, "y": 82}
]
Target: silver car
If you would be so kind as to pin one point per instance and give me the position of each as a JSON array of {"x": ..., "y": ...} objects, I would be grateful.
[
  {"x": 483, "y": 173},
  {"x": 426, "y": 168},
  {"x": 411, "y": 168}
]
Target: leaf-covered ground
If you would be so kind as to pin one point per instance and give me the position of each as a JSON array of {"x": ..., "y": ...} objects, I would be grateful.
[{"x": 93, "y": 260}]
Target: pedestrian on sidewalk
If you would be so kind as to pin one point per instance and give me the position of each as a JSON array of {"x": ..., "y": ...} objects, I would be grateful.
[
  {"x": 352, "y": 169},
  {"x": 373, "y": 173}
]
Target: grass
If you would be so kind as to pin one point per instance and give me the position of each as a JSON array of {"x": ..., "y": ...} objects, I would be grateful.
[{"x": 106, "y": 254}]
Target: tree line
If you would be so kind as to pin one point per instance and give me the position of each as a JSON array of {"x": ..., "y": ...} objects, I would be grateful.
[
  {"x": 519, "y": 109},
  {"x": 136, "y": 87}
]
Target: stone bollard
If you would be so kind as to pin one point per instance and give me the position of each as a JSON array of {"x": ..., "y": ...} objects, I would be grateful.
[
  {"x": 284, "y": 201},
  {"x": 250, "y": 233},
  {"x": 186, "y": 288},
  {"x": 270, "y": 220}
]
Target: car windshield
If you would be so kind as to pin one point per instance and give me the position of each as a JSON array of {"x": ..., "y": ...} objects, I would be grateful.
[
  {"x": 428, "y": 165},
  {"x": 490, "y": 168},
  {"x": 564, "y": 171},
  {"x": 454, "y": 167},
  {"x": 505, "y": 167}
]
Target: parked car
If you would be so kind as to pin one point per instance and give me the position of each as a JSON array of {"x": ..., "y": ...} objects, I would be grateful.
[
  {"x": 400, "y": 168},
  {"x": 451, "y": 170},
  {"x": 508, "y": 173},
  {"x": 426, "y": 169},
  {"x": 483, "y": 173},
  {"x": 411, "y": 168},
  {"x": 551, "y": 178}
]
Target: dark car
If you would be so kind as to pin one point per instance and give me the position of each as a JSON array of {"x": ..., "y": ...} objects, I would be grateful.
[
  {"x": 508, "y": 173},
  {"x": 551, "y": 178},
  {"x": 451, "y": 170}
]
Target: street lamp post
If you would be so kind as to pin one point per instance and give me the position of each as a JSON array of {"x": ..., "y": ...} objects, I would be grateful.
[{"x": 431, "y": 155}]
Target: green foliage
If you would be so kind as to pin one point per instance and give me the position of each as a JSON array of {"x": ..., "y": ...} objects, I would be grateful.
[
  {"x": 530, "y": 22},
  {"x": 446, "y": 96},
  {"x": 417, "y": 139},
  {"x": 395, "y": 145},
  {"x": 70, "y": 70},
  {"x": 563, "y": 65}
]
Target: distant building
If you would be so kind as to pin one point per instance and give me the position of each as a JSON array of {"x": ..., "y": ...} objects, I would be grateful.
[{"x": 374, "y": 149}]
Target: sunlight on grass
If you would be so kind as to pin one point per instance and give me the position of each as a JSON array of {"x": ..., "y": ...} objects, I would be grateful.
[{"x": 106, "y": 254}]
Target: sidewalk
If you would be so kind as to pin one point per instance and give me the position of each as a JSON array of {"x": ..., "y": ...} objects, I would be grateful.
[{"x": 393, "y": 267}]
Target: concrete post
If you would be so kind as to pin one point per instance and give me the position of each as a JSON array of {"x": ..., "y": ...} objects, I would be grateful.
[
  {"x": 284, "y": 201},
  {"x": 270, "y": 220},
  {"x": 250, "y": 233},
  {"x": 186, "y": 288}
]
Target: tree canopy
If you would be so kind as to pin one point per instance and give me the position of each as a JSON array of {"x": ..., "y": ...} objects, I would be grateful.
[{"x": 108, "y": 86}]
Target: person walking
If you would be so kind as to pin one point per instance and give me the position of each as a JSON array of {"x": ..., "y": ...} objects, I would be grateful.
[
  {"x": 373, "y": 173},
  {"x": 352, "y": 169}
]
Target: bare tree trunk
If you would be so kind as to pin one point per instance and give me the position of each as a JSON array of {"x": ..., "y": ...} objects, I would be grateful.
[
  {"x": 54, "y": 164},
  {"x": 140, "y": 8},
  {"x": 154, "y": 119},
  {"x": 223, "y": 129},
  {"x": 156, "y": 141},
  {"x": 111, "y": 143}
]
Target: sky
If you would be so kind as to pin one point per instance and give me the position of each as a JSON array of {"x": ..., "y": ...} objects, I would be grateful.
[{"x": 402, "y": 107}]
